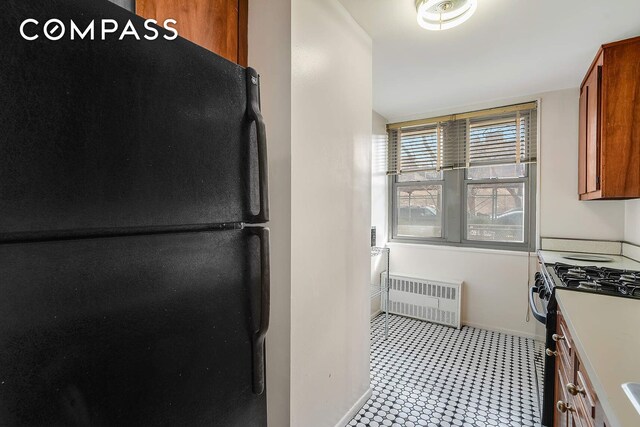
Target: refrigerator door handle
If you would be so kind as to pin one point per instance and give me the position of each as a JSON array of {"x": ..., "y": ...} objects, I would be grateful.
[
  {"x": 253, "y": 109},
  {"x": 265, "y": 290}
]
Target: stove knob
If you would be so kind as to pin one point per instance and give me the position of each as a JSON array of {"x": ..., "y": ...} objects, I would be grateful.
[{"x": 542, "y": 292}]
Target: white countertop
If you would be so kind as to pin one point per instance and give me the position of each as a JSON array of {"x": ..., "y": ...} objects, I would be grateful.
[
  {"x": 619, "y": 261},
  {"x": 606, "y": 334}
]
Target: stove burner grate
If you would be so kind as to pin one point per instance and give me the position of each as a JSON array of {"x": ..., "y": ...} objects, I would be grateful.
[{"x": 599, "y": 279}]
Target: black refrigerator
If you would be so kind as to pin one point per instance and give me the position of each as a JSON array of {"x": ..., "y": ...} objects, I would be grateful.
[{"x": 134, "y": 262}]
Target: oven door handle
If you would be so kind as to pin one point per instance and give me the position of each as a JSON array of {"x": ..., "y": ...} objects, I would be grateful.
[{"x": 534, "y": 310}]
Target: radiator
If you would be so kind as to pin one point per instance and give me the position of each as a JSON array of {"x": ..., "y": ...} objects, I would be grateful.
[{"x": 430, "y": 300}]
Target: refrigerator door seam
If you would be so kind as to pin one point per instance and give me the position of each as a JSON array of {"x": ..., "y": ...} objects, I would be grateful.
[{"x": 25, "y": 237}]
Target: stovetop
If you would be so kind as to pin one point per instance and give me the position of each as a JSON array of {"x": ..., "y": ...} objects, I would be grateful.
[{"x": 604, "y": 280}]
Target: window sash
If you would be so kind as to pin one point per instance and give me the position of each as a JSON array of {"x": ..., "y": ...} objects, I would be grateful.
[
  {"x": 396, "y": 187},
  {"x": 454, "y": 211},
  {"x": 496, "y": 182},
  {"x": 506, "y": 135}
]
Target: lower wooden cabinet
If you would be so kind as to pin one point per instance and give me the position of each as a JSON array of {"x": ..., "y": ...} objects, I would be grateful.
[{"x": 577, "y": 404}]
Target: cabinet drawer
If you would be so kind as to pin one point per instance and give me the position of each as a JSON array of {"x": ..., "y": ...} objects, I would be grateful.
[
  {"x": 564, "y": 346},
  {"x": 574, "y": 392},
  {"x": 568, "y": 417},
  {"x": 586, "y": 396},
  {"x": 577, "y": 414},
  {"x": 582, "y": 412},
  {"x": 560, "y": 419}
]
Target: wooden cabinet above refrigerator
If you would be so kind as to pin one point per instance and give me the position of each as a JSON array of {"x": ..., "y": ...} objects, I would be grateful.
[
  {"x": 217, "y": 25},
  {"x": 609, "y": 136}
]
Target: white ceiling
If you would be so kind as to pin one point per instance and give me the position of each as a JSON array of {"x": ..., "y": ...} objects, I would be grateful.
[{"x": 508, "y": 49}]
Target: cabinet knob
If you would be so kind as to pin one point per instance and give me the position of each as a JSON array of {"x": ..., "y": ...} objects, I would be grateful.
[
  {"x": 557, "y": 337},
  {"x": 550, "y": 352},
  {"x": 574, "y": 389},
  {"x": 564, "y": 407}
]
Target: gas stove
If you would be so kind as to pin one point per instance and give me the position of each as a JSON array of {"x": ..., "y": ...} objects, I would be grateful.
[
  {"x": 552, "y": 276},
  {"x": 597, "y": 279},
  {"x": 602, "y": 280}
]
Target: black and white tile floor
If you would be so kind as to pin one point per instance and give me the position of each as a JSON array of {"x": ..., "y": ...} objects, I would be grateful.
[{"x": 431, "y": 375}]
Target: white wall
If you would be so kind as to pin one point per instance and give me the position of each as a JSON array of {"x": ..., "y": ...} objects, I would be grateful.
[
  {"x": 495, "y": 288},
  {"x": 379, "y": 180},
  {"x": 379, "y": 196},
  {"x": 632, "y": 222},
  {"x": 270, "y": 55},
  {"x": 561, "y": 213},
  {"x": 316, "y": 100},
  {"x": 496, "y": 274},
  {"x": 331, "y": 196}
]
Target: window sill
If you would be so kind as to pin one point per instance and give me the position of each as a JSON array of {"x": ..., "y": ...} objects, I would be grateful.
[{"x": 451, "y": 248}]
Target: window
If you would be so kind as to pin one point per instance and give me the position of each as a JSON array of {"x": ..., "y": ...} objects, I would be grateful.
[
  {"x": 495, "y": 202},
  {"x": 465, "y": 180},
  {"x": 419, "y": 209}
]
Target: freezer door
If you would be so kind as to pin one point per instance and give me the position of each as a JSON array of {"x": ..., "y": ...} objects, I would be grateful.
[
  {"x": 120, "y": 134},
  {"x": 160, "y": 330}
]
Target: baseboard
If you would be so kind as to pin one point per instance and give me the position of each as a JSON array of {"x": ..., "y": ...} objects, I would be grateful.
[
  {"x": 374, "y": 314},
  {"x": 540, "y": 338},
  {"x": 504, "y": 331},
  {"x": 355, "y": 408}
]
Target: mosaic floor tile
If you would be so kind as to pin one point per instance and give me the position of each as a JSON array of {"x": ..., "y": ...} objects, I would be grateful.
[{"x": 425, "y": 374}]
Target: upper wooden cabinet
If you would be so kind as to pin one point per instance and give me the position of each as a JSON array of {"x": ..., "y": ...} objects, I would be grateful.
[
  {"x": 217, "y": 25},
  {"x": 609, "y": 136}
]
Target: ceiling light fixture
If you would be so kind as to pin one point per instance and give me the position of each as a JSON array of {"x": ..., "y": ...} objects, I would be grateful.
[{"x": 439, "y": 15}]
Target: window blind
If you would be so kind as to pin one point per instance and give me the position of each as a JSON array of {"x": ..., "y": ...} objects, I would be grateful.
[{"x": 500, "y": 136}]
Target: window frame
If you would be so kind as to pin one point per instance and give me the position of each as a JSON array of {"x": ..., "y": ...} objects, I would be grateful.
[{"x": 454, "y": 211}]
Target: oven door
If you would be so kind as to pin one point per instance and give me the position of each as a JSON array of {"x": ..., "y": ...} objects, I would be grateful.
[{"x": 542, "y": 304}]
